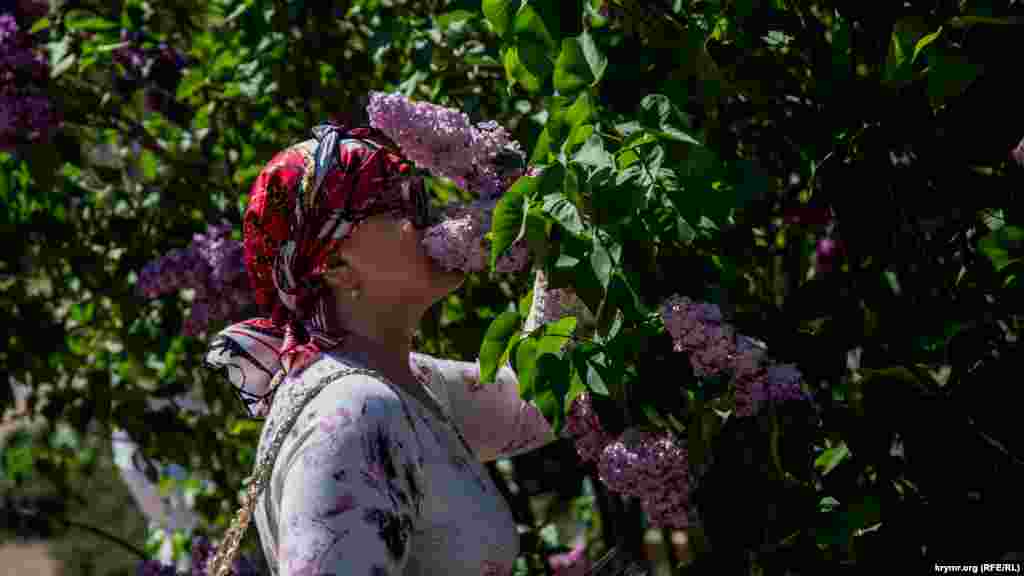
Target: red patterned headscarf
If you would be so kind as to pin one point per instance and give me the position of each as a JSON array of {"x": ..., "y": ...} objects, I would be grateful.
[{"x": 303, "y": 204}]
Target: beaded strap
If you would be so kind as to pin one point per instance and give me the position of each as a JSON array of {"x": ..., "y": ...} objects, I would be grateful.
[{"x": 295, "y": 399}]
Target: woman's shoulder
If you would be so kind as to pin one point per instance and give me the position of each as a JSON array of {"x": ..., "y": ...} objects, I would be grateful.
[{"x": 348, "y": 386}]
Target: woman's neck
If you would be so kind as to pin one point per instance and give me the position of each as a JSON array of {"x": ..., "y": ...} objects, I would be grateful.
[{"x": 389, "y": 358}]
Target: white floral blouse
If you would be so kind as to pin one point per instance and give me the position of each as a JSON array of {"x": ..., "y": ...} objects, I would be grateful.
[{"x": 369, "y": 481}]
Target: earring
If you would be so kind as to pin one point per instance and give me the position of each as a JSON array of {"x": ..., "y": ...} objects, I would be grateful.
[{"x": 355, "y": 293}]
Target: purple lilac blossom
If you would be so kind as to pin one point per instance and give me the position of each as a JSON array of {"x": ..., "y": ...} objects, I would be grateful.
[
  {"x": 652, "y": 467},
  {"x": 26, "y": 113},
  {"x": 697, "y": 329},
  {"x": 445, "y": 142},
  {"x": 458, "y": 242},
  {"x": 155, "y": 568},
  {"x": 583, "y": 426},
  {"x": 213, "y": 266},
  {"x": 784, "y": 383}
]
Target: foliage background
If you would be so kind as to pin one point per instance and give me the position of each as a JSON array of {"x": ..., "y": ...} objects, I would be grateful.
[{"x": 886, "y": 127}]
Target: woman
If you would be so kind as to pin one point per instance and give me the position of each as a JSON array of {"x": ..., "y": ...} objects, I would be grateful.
[{"x": 370, "y": 458}]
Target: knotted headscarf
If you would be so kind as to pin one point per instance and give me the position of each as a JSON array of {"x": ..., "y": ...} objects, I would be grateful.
[{"x": 303, "y": 204}]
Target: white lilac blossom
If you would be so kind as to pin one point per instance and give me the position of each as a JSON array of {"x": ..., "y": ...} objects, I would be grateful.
[
  {"x": 480, "y": 158},
  {"x": 652, "y": 467}
]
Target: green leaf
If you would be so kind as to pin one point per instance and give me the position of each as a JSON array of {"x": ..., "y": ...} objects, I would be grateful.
[
  {"x": 245, "y": 428},
  {"x": 597, "y": 61},
  {"x": 564, "y": 212},
  {"x": 581, "y": 111},
  {"x": 41, "y": 24},
  {"x": 593, "y": 157},
  {"x": 555, "y": 335},
  {"x": 599, "y": 375},
  {"x": 949, "y": 75},
  {"x": 924, "y": 42},
  {"x": 499, "y": 15},
  {"x": 665, "y": 119},
  {"x": 61, "y": 57},
  {"x": 508, "y": 223},
  {"x": 829, "y": 459},
  {"x": 496, "y": 340},
  {"x": 444, "y": 21},
  {"x": 552, "y": 382},
  {"x": 1001, "y": 245},
  {"x": 528, "y": 28},
  {"x": 572, "y": 71},
  {"x": 148, "y": 162},
  {"x": 18, "y": 459},
  {"x": 602, "y": 259},
  {"x": 518, "y": 73},
  {"x": 524, "y": 363},
  {"x": 90, "y": 23},
  {"x": 525, "y": 304}
]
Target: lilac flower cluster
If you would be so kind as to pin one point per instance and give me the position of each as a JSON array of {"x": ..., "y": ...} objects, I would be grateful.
[
  {"x": 458, "y": 242},
  {"x": 652, "y": 467},
  {"x": 584, "y": 427},
  {"x": 26, "y": 113},
  {"x": 698, "y": 329},
  {"x": 1018, "y": 153},
  {"x": 482, "y": 158},
  {"x": 213, "y": 266},
  {"x": 158, "y": 70},
  {"x": 202, "y": 552}
]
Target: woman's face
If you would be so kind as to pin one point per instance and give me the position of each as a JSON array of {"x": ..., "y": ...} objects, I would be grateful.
[{"x": 389, "y": 260}]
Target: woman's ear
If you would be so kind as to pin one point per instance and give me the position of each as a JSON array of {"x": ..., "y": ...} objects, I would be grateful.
[{"x": 341, "y": 277}]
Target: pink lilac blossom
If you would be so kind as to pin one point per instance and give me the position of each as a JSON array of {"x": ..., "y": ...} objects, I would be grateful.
[
  {"x": 481, "y": 158},
  {"x": 583, "y": 426},
  {"x": 652, "y": 467}
]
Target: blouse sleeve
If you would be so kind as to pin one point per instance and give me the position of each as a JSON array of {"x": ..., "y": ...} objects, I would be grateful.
[
  {"x": 350, "y": 497},
  {"x": 495, "y": 421}
]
